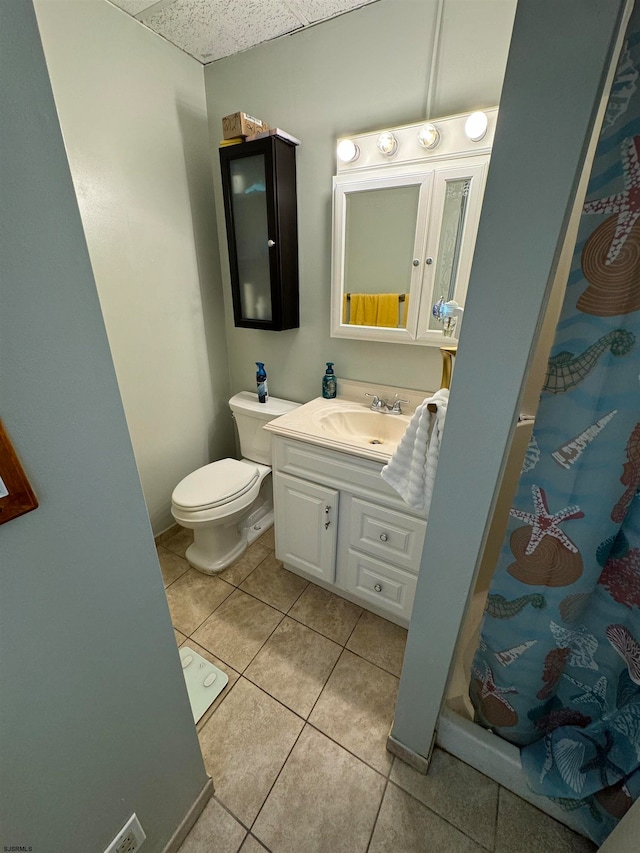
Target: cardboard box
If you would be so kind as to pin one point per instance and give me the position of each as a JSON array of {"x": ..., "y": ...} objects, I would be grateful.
[{"x": 242, "y": 124}]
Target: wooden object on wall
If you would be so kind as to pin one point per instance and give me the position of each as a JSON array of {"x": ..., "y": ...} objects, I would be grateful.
[{"x": 16, "y": 494}]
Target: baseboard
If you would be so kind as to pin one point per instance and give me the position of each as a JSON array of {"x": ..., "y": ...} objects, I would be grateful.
[
  {"x": 161, "y": 538},
  {"x": 413, "y": 759},
  {"x": 178, "y": 837}
]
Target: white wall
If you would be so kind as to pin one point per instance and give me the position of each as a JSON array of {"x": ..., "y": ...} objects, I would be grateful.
[
  {"x": 95, "y": 720},
  {"x": 133, "y": 113},
  {"x": 365, "y": 70}
]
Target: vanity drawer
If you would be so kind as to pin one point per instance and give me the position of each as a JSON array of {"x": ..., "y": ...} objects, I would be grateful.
[
  {"x": 387, "y": 587},
  {"x": 385, "y": 533}
]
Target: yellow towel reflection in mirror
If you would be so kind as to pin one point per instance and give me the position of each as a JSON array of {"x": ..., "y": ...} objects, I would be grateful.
[{"x": 387, "y": 310}]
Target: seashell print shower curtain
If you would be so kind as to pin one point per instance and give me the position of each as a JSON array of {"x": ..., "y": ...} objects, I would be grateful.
[{"x": 557, "y": 670}]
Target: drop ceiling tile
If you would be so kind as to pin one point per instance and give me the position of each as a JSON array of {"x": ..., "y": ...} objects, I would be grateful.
[
  {"x": 211, "y": 29},
  {"x": 251, "y": 22},
  {"x": 133, "y": 6},
  {"x": 194, "y": 26},
  {"x": 318, "y": 10}
]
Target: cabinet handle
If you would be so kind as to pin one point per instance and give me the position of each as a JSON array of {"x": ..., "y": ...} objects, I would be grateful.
[
  {"x": 326, "y": 524},
  {"x": 429, "y": 261},
  {"x": 327, "y": 509},
  {"x": 383, "y": 537},
  {"x": 378, "y": 587},
  {"x": 416, "y": 262},
  {"x": 271, "y": 243}
]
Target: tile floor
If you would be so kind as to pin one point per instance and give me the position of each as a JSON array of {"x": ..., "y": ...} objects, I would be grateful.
[{"x": 295, "y": 743}]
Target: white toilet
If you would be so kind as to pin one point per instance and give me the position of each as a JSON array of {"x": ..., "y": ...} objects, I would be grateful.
[{"x": 229, "y": 503}]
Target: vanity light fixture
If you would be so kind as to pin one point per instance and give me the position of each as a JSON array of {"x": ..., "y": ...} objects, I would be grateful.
[
  {"x": 348, "y": 151},
  {"x": 387, "y": 143},
  {"x": 476, "y": 126},
  {"x": 429, "y": 136}
]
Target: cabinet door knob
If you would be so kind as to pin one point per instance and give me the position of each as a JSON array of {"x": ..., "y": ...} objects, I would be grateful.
[
  {"x": 429, "y": 261},
  {"x": 416, "y": 262},
  {"x": 271, "y": 243},
  {"x": 327, "y": 509},
  {"x": 378, "y": 587},
  {"x": 383, "y": 537}
]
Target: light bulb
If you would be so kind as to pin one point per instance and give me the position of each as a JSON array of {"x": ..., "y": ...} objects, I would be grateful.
[
  {"x": 476, "y": 126},
  {"x": 348, "y": 151},
  {"x": 387, "y": 144},
  {"x": 429, "y": 136}
]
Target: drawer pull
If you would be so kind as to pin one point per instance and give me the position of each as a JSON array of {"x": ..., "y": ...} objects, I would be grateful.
[
  {"x": 383, "y": 537},
  {"x": 378, "y": 587}
]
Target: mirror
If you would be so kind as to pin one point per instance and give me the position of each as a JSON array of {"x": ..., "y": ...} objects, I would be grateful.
[{"x": 404, "y": 227}]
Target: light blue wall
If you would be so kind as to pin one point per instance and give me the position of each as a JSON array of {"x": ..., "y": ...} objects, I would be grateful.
[
  {"x": 366, "y": 70},
  {"x": 517, "y": 253},
  {"x": 94, "y": 715}
]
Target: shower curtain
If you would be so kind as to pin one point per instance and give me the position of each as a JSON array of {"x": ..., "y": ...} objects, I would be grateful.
[{"x": 557, "y": 670}]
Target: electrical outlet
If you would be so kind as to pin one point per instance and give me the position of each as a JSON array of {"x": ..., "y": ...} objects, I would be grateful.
[{"x": 129, "y": 839}]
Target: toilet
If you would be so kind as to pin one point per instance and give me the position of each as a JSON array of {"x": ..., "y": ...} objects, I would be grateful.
[{"x": 229, "y": 503}]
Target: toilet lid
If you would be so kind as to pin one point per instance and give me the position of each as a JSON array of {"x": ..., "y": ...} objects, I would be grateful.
[{"x": 215, "y": 484}]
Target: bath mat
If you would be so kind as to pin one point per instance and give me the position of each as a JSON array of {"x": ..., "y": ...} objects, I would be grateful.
[{"x": 204, "y": 681}]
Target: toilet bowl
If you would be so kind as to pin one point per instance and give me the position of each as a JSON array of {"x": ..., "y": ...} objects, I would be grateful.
[{"x": 229, "y": 503}]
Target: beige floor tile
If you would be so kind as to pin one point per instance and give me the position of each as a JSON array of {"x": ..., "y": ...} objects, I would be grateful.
[
  {"x": 379, "y": 641},
  {"x": 274, "y": 585},
  {"x": 522, "y": 828},
  {"x": 193, "y": 597},
  {"x": 230, "y": 672},
  {"x": 238, "y": 629},
  {"x": 171, "y": 565},
  {"x": 179, "y": 541},
  {"x": 293, "y": 665},
  {"x": 268, "y": 539},
  {"x": 244, "y": 745},
  {"x": 327, "y": 613},
  {"x": 251, "y": 845},
  {"x": 243, "y": 567},
  {"x": 180, "y": 637},
  {"x": 457, "y": 792},
  {"x": 406, "y": 826},
  {"x": 324, "y": 801},
  {"x": 356, "y": 709},
  {"x": 216, "y": 830}
]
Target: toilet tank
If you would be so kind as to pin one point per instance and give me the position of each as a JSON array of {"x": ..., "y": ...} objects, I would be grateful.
[{"x": 250, "y": 416}]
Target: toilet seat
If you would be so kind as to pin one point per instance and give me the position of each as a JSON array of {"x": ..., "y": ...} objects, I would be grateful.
[{"x": 215, "y": 485}]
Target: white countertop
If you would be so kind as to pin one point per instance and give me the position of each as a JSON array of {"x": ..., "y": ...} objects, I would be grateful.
[{"x": 305, "y": 423}]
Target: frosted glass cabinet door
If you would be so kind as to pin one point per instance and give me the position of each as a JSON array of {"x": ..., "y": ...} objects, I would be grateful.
[
  {"x": 249, "y": 203},
  {"x": 259, "y": 187}
]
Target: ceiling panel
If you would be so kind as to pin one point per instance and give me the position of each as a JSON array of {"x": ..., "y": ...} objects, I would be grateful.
[
  {"x": 211, "y": 29},
  {"x": 319, "y": 10}
]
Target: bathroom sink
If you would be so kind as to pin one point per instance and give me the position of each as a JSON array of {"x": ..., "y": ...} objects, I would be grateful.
[
  {"x": 362, "y": 426},
  {"x": 347, "y": 424}
]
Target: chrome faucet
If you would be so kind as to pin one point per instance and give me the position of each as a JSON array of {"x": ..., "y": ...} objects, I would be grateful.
[
  {"x": 379, "y": 405},
  {"x": 395, "y": 409}
]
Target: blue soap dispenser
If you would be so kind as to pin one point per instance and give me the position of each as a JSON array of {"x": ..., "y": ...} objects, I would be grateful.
[
  {"x": 329, "y": 382},
  {"x": 261, "y": 382}
]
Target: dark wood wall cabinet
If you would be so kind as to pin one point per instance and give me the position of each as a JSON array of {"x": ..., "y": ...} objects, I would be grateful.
[{"x": 259, "y": 187}]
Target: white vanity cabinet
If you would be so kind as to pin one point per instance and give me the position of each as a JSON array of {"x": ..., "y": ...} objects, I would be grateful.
[
  {"x": 340, "y": 525},
  {"x": 307, "y": 535}
]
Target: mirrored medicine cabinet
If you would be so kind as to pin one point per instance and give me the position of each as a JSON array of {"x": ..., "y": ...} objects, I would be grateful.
[{"x": 406, "y": 208}]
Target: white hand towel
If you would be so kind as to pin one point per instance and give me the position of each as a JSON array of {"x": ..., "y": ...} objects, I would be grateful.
[{"x": 411, "y": 471}]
